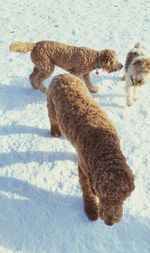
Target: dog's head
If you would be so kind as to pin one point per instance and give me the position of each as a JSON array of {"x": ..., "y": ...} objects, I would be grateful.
[
  {"x": 110, "y": 211},
  {"x": 109, "y": 61},
  {"x": 140, "y": 70},
  {"x": 114, "y": 187}
]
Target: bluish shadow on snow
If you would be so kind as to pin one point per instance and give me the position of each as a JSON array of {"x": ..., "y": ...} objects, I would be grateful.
[
  {"x": 109, "y": 97},
  {"x": 22, "y": 129},
  {"x": 104, "y": 77},
  {"x": 22, "y": 94},
  {"x": 33, "y": 220},
  {"x": 112, "y": 105},
  {"x": 18, "y": 94},
  {"x": 104, "y": 98},
  {"x": 40, "y": 157}
]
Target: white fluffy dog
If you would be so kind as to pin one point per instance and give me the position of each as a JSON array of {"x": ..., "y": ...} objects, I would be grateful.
[{"x": 137, "y": 72}]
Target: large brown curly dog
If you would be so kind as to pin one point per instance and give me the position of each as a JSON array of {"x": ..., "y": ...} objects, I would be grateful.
[
  {"x": 106, "y": 179},
  {"x": 79, "y": 61}
]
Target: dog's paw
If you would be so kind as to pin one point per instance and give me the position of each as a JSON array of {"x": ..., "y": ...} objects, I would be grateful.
[
  {"x": 92, "y": 213},
  {"x": 123, "y": 78},
  {"x": 129, "y": 103},
  {"x": 135, "y": 99},
  {"x": 55, "y": 132},
  {"x": 94, "y": 89},
  {"x": 91, "y": 209}
]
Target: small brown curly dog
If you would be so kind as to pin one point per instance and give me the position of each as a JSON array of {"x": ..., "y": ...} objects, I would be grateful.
[
  {"x": 106, "y": 179},
  {"x": 79, "y": 61}
]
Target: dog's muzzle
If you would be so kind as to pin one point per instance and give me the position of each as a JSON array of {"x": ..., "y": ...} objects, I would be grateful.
[
  {"x": 116, "y": 67},
  {"x": 109, "y": 219}
]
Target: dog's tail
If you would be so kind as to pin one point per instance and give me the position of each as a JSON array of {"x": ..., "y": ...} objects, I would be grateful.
[{"x": 22, "y": 47}]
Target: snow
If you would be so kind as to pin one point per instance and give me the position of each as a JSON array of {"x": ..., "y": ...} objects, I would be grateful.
[{"x": 41, "y": 208}]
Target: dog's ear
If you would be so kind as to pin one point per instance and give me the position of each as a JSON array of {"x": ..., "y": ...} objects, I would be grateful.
[
  {"x": 138, "y": 63},
  {"x": 107, "y": 56},
  {"x": 104, "y": 57},
  {"x": 116, "y": 183}
]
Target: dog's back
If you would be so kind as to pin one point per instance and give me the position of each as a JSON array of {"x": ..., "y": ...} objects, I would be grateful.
[
  {"x": 77, "y": 113},
  {"x": 136, "y": 51}
]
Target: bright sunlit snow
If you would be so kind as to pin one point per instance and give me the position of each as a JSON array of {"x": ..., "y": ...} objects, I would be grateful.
[{"x": 41, "y": 208}]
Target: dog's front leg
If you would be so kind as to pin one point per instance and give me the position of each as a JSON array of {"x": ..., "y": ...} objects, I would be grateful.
[
  {"x": 55, "y": 130},
  {"x": 129, "y": 91},
  {"x": 123, "y": 78},
  {"x": 136, "y": 92},
  {"x": 130, "y": 95},
  {"x": 89, "y": 199},
  {"x": 87, "y": 80}
]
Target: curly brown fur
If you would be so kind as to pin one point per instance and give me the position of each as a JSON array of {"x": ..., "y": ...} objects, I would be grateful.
[
  {"x": 137, "y": 72},
  {"x": 79, "y": 61},
  {"x": 105, "y": 178}
]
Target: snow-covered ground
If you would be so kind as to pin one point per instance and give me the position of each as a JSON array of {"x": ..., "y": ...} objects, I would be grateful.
[{"x": 41, "y": 208}]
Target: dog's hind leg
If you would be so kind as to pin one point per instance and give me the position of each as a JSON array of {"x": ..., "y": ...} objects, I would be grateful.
[
  {"x": 32, "y": 77},
  {"x": 39, "y": 75},
  {"x": 55, "y": 130},
  {"x": 91, "y": 87},
  {"x": 89, "y": 199}
]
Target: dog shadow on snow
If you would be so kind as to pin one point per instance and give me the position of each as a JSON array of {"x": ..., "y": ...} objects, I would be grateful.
[
  {"x": 40, "y": 157},
  {"x": 106, "y": 100},
  {"x": 32, "y": 218},
  {"x": 19, "y": 93},
  {"x": 14, "y": 156},
  {"x": 36, "y": 220},
  {"x": 15, "y": 128},
  {"x": 105, "y": 77}
]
